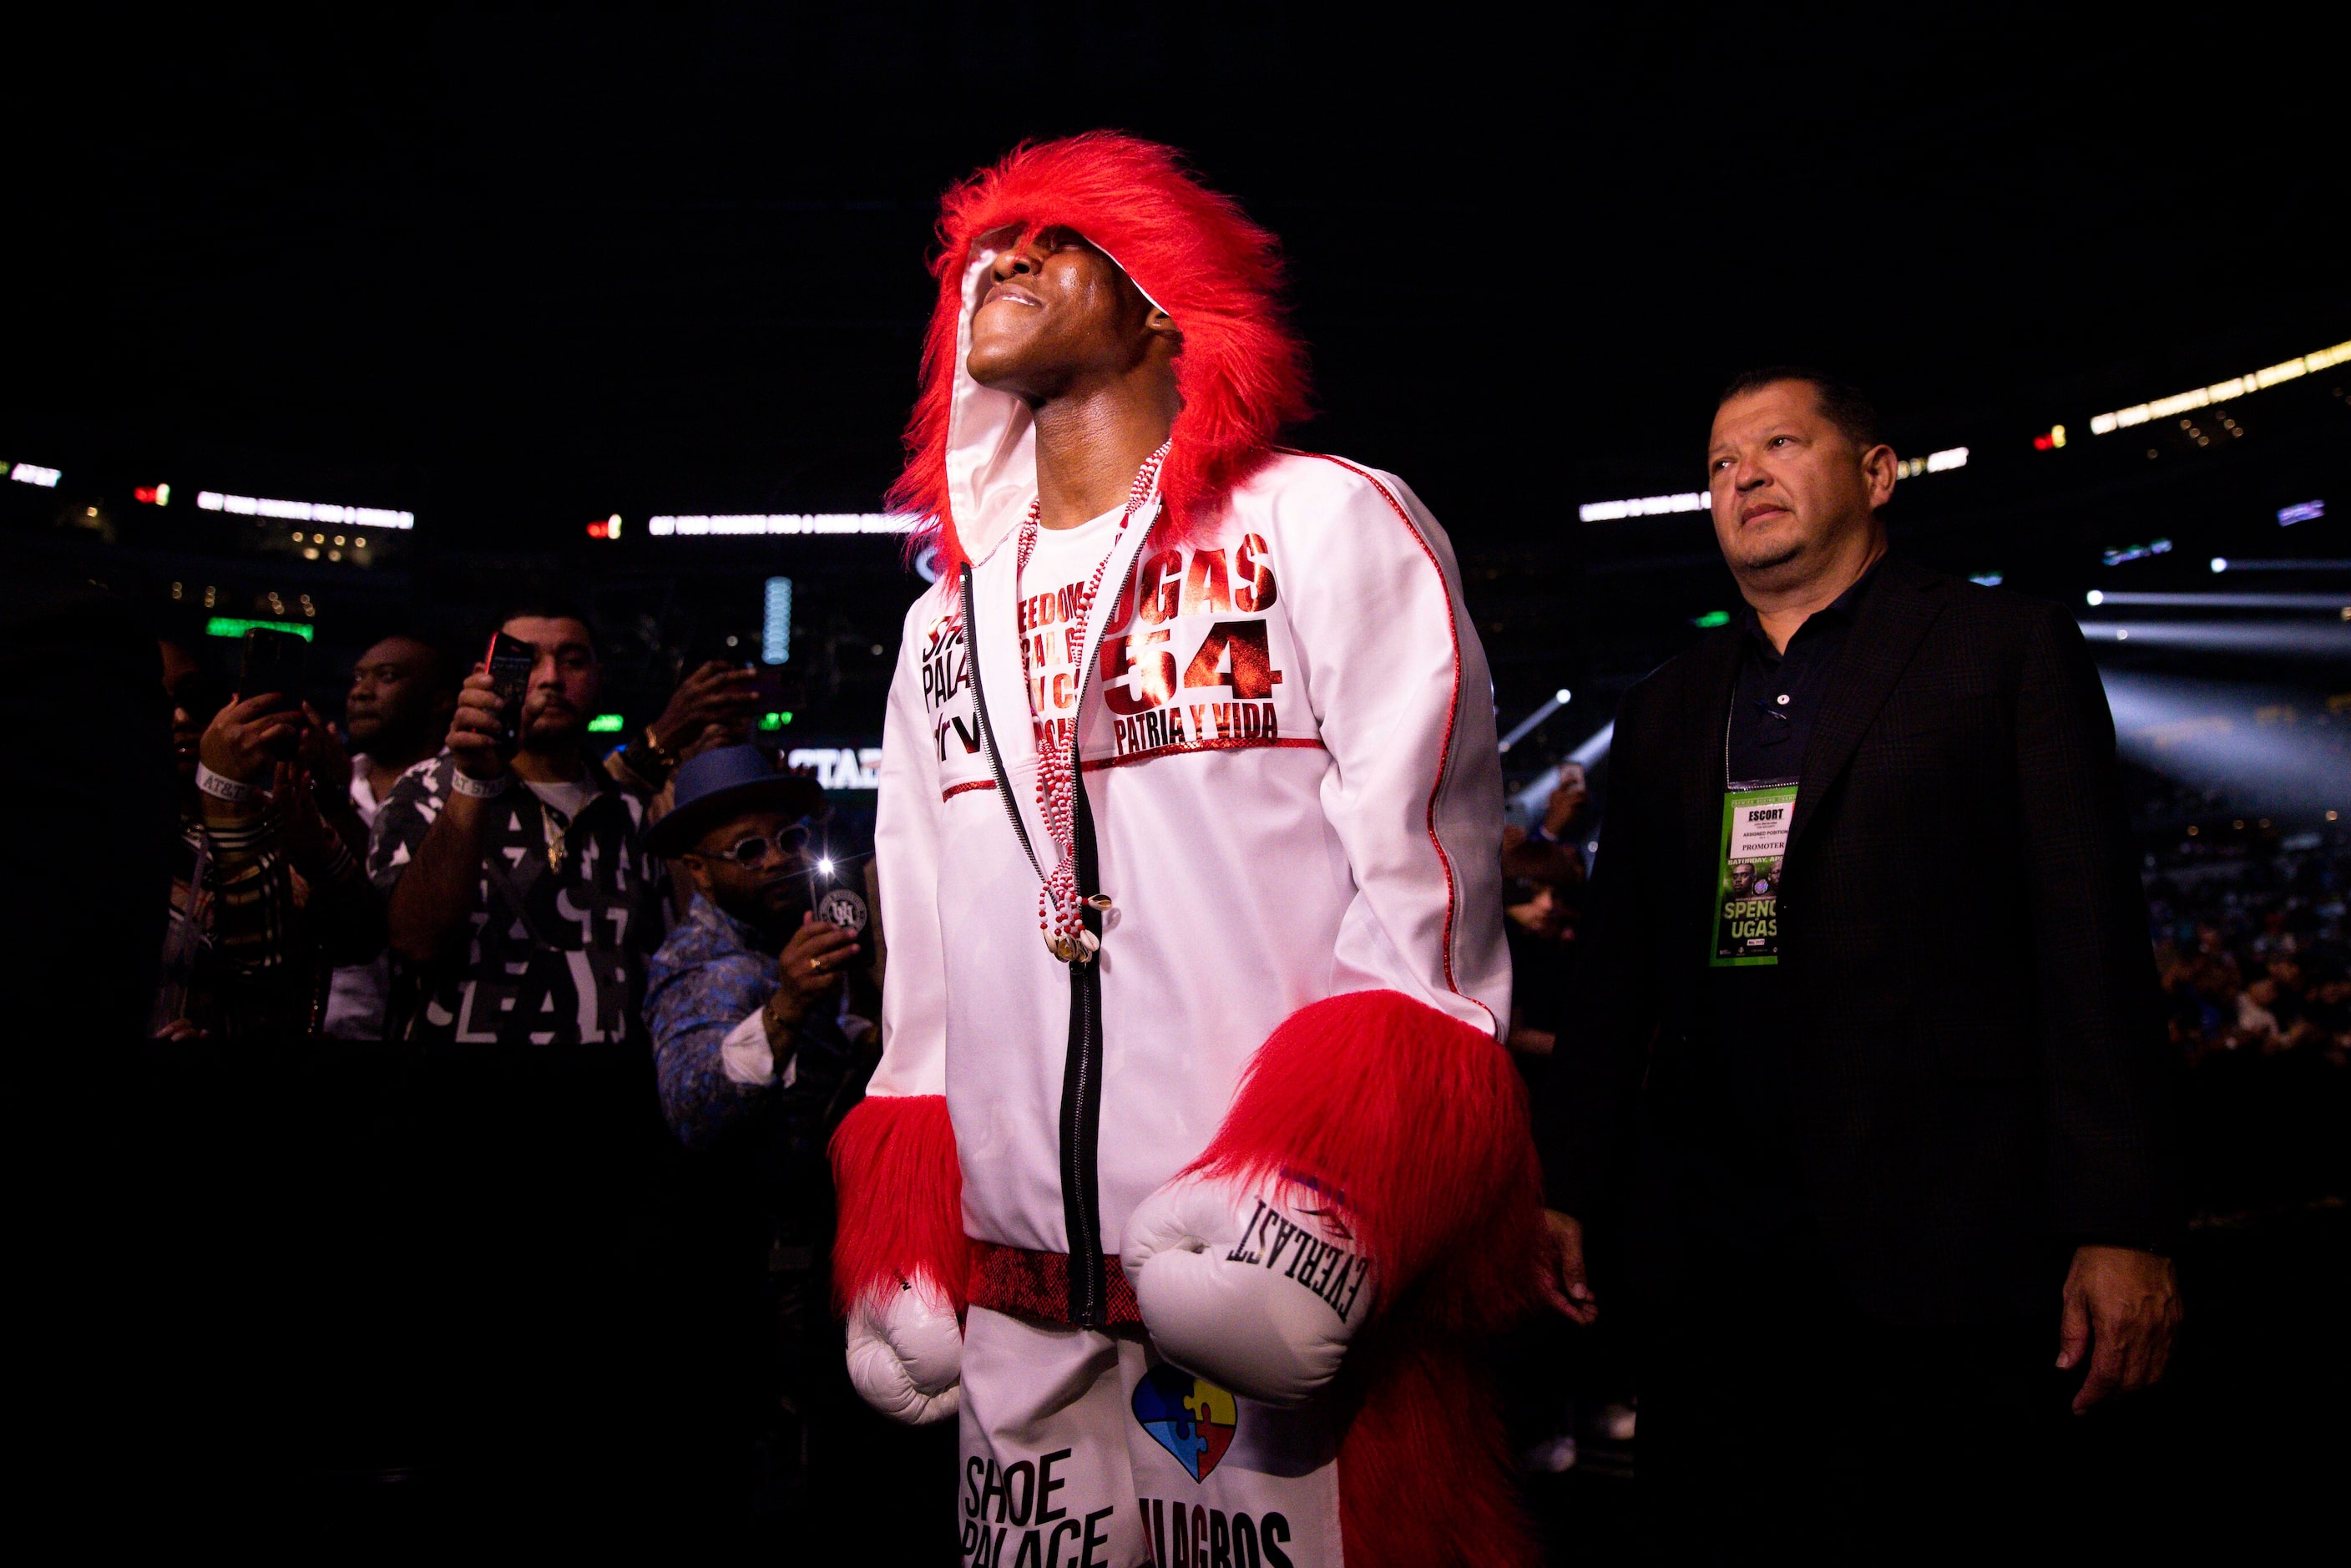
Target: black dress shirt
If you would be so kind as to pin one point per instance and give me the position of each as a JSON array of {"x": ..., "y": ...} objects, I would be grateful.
[
  {"x": 1741, "y": 1189},
  {"x": 1779, "y": 694}
]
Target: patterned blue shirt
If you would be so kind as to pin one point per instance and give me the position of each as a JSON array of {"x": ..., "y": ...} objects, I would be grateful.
[{"x": 708, "y": 977}]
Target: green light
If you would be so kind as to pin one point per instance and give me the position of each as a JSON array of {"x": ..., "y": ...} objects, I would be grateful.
[
  {"x": 606, "y": 724},
  {"x": 774, "y": 720},
  {"x": 1713, "y": 618},
  {"x": 232, "y": 626}
]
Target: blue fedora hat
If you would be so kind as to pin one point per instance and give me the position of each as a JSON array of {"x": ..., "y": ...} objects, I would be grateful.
[{"x": 720, "y": 784}]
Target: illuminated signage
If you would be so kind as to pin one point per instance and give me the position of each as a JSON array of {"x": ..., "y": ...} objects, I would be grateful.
[
  {"x": 235, "y": 626},
  {"x": 2300, "y": 512},
  {"x": 606, "y": 528},
  {"x": 780, "y": 523},
  {"x": 305, "y": 511},
  {"x": 1646, "y": 506},
  {"x": 2136, "y": 552},
  {"x": 2219, "y": 392},
  {"x": 1711, "y": 619},
  {"x": 776, "y": 622},
  {"x": 774, "y": 721},
  {"x": 839, "y": 767},
  {"x": 2050, "y": 440},
  {"x": 1987, "y": 579},
  {"x": 34, "y": 473},
  {"x": 152, "y": 495},
  {"x": 606, "y": 724}
]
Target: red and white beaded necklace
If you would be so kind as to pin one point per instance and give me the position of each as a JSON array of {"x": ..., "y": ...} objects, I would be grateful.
[{"x": 1059, "y": 910}]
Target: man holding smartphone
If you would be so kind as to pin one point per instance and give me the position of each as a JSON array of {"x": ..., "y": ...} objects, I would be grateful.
[
  {"x": 266, "y": 892},
  {"x": 754, "y": 973},
  {"x": 517, "y": 884}
]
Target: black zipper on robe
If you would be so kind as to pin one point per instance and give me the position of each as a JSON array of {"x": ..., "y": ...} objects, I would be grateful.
[{"x": 1081, "y": 1065}]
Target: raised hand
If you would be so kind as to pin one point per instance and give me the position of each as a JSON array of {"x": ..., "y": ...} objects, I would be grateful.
[
  {"x": 245, "y": 738},
  {"x": 716, "y": 693},
  {"x": 477, "y": 730}
]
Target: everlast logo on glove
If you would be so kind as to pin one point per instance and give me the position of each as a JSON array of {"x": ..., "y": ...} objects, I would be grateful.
[{"x": 1325, "y": 1268}]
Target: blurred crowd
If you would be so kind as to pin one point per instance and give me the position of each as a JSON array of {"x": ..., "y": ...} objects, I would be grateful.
[
  {"x": 2255, "y": 963},
  {"x": 553, "y": 1031}
]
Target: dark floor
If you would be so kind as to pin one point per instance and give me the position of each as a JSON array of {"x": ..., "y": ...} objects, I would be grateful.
[{"x": 295, "y": 1381}]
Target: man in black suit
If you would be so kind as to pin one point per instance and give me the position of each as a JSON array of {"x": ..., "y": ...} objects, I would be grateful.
[{"x": 1902, "y": 1134}]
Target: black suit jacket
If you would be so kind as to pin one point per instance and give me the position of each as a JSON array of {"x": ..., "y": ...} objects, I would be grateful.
[{"x": 1977, "y": 1067}]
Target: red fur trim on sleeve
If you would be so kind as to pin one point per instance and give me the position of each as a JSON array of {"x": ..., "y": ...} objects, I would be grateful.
[
  {"x": 901, "y": 1199},
  {"x": 1427, "y": 1429},
  {"x": 1416, "y": 1123}
]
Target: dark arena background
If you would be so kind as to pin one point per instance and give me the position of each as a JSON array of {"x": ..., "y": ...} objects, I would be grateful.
[{"x": 361, "y": 322}]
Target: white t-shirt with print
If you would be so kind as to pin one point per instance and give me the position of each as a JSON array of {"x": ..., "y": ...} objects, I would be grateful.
[{"x": 1052, "y": 624}]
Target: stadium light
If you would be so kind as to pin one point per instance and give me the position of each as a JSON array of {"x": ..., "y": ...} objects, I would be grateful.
[
  {"x": 2219, "y": 392},
  {"x": 2300, "y": 512},
  {"x": 2221, "y": 564},
  {"x": 1559, "y": 700},
  {"x": 2334, "y": 601},
  {"x": 305, "y": 511},
  {"x": 152, "y": 495},
  {"x": 1941, "y": 462},
  {"x": 34, "y": 473},
  {"x": 1536, "y": 797},
  {"x": 667, "y": 527},
  {"x": 2291, "y": 640},
  {"x": 1644, "y": 507},
  {"x": 2261, "y": 744},
  {"x": 776, "y": 622}
]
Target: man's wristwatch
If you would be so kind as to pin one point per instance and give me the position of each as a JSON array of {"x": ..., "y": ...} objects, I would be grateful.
[{"x": 663, "y": 758}]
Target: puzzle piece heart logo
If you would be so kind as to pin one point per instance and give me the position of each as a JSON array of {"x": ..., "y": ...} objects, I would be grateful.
[{"x": 1189, "y": 1417}]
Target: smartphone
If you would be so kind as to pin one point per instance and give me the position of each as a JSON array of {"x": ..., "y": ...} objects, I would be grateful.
[
  {"x": 276, "y": 664},
  {"x": 510, "y": 662},
  {"x": 842, "y": 901}
]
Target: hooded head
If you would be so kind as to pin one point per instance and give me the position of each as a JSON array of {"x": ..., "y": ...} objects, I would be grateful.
[{"x": 971, "y": 468}]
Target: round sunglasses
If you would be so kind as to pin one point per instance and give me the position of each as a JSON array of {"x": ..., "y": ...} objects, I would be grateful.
[{"x": 753, "y": 851}]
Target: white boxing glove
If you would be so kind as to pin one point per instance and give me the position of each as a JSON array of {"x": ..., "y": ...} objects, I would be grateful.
[
  {"x": 905, "y": 1356},
  {"x": 1252, "y": 1287}
]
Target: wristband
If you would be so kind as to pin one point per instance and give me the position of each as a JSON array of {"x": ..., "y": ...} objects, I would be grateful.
[
  {"x": 663, "y": 758},
  {"x": 225, "y": 789},
  {"x": 479, "y": 788}
]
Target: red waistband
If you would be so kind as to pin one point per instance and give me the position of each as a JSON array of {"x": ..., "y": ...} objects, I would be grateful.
[{"x": 1035, "y": 1285}]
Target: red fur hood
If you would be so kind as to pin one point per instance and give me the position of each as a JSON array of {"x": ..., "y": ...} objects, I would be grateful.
[{"x": 971, "y": 467}]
